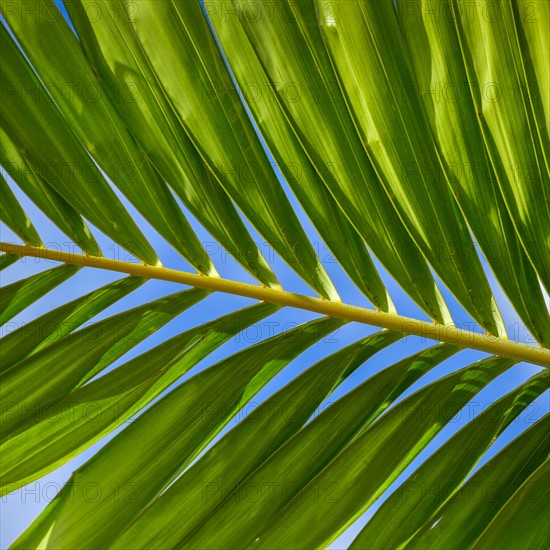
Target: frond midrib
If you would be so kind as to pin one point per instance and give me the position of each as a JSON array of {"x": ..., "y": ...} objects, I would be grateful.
[{"x": 407, "y": 326}]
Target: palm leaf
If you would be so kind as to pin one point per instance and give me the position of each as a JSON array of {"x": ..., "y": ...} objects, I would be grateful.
[
  {"x": 252, "y": 130},
  {"x": 448, "y": 467},
  {"x": 21, "y": 294},
  {"x": 15, "y": 218},
  {"x": 508, "y": 471}
]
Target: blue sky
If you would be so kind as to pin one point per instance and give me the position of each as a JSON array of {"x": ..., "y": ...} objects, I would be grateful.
[{"x": 18, "y": 509}]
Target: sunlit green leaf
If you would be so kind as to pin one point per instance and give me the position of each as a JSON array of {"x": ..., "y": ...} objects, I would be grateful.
[
  {"x": 415, "y": 131},
  {"x": 17, "y": 164},
  {"x": 170, "y": 435},
  {"x": 464, "y": 517},
  {"x": 39, "y": 381},
  {"x": 317, "y": 501},
  {"x": 523, "y": 521},
  {"x": 426, "y": 490},
  {"x": 88, "y": 111},
  {"x": 182, "y": 51},
  {"x": 499, "y": 75},
  {"x": 370, "y": 57},
  {"x": 18, "y": 296},
  {"x": 297, "y": 462},
  {"x": 456, "y": 125},
  {"x": 47, "y": 440},
  {"x": 14, "y": 216},
  {"x": 198, "y": 491},
  {"x": 123, "y": 69},
  {"x": 300, "y": 103},
  {"x": 7, "y": 259},
  {"x": 52, "y": 326},
  {"x": 43, "y": 138}
]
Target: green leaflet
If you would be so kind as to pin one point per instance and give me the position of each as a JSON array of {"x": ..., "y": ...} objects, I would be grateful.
[
  {"x": 43, "y": 138},
  {"x": 16, "y": 163},
  {"x": 88, "y": 111},
  {"x": 182, "y": 51},
  {"x": 523, "y": 521},
  {"x": 298, "y": 461},
  {"x": 499, "y": 76},
  {"x": 464, "y": 517},
  {"x": 90, "y": 412},
  {"x": 7, "y": 259},
  {"x": 16, "y": 297},
  {"x": 36, "y": 383},
  {"x": 310, "y": 186},
  {"x": 532, "y": 20},
  {"x": 14, "y": 216},
  {"x": 302, "y": 112},
  {"x": 199, "y": 490},
  {"x": 454, "y": 121},
  {"x": 113, "y": 50},
  {"x": 370, "y": 58},
  {"x": 419, "y": 498},
  {"x": 319, "y": 503},
  {"x": 59, "y": 322},
  {"x": 365, "y": 469},
  {"x": 169, "y": 435}
]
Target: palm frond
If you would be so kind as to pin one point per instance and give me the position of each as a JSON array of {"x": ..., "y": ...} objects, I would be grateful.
[{"x": 414, "y": 143}]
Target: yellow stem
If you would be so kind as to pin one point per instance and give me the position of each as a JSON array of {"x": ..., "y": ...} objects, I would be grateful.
[{"x": 390, "y": 321}]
